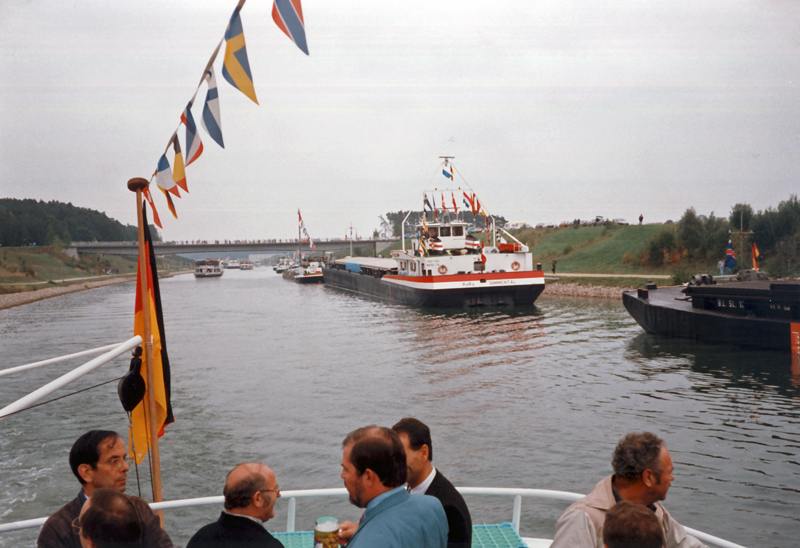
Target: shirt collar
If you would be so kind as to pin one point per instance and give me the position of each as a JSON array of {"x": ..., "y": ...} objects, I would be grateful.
[
  {"x": 374, "y": 502},
  {"x": 422, "y": 487},
  {"x": 258, "y": 521}
]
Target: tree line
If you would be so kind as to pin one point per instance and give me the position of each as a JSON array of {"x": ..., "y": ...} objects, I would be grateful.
[
  {"x": 700, "y": 239},
  {"x": 32, "y": 222}
]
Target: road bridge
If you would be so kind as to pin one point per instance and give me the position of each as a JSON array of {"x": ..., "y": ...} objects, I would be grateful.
[{"x": 221, "y": 249}]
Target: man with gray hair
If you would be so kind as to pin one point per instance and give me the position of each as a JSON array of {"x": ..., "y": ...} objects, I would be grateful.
[
  {"x": 250, "y": 495},
  {"x": 642, "y": 474}
]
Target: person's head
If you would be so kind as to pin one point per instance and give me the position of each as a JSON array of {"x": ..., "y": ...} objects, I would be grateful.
[
  {"x": 641, "y": 460},
  {"x": 99, "y": 460},
  {"x": 251, "y": 490},
  {"x": 109, "y": 519},
  {"x": 631, "y": 525},
  {"x": 416, "y": 439},
  {"x": 373, "y": 462}
]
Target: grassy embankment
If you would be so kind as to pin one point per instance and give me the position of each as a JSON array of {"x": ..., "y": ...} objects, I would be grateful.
[
  {"x": 612, "y": 249},
  {"x": 29, "y": 268}
]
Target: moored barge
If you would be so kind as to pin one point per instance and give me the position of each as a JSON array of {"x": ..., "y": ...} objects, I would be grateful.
[{"x": 752, "y": 312}]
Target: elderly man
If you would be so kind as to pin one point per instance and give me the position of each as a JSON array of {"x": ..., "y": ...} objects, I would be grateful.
[
  {"x": 642, "y": 474},
  {"x": 109, "y": 519},
  {"x": 250, "y": 495},
  {"x": 631, "y": 525},
  {"x": 99, "y": 460},
  {"x": 374, "y": 471},
  {"x": 424, "y": 479}
]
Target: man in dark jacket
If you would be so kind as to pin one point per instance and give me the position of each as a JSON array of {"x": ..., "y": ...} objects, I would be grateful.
[
  {"x": 424, "y": 479},
  {"x": 99, "y": 460},
  {"x": 250, "y": 494}
]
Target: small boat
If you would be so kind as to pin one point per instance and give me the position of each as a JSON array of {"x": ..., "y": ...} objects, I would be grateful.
[
  {"x": 230, "y": 264},
  {"x": 311, "y": 273},
  {"x": 284, "y": 264},
  {"x": 446, "y": 266},
  {"x": 245, "y": 265},
  {"x": 750, "y": 310},
  {"x": 208, "y": 268}
]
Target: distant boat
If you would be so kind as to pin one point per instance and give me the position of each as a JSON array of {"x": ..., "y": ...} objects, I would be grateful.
[
  {"x": 230, "y": 264},
  {"x": 310, "y": 274},
  {"x": 245, "y": 265},
  {"x": 208, "y": 268}
]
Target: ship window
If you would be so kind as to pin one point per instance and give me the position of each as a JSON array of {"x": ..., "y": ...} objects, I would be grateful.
[
  {"x": 458, "y": 231},
  {"x": 433, "y": 231},
  {"x": 445, "y": 231}
]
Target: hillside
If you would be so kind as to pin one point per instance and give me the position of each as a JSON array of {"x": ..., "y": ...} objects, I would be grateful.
[{"x": 37, "y": 223}]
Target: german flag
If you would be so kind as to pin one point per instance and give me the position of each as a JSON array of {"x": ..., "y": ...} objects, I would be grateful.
[{"x": 139, "y": 434}]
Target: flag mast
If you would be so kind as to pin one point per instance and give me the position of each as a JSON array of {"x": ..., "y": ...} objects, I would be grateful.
[{"x": 137, "y": 185}]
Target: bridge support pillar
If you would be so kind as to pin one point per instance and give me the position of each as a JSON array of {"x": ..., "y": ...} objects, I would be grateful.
[{"x": 72, "y": 252}]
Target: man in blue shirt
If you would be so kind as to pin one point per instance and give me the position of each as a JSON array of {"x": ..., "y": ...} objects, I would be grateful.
[{"x": 374, "y": 470}]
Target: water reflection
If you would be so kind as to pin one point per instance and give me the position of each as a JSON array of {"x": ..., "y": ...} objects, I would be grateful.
[{"x": 743, "y": 368}]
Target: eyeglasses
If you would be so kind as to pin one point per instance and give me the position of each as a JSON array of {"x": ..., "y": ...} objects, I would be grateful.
[
  {"x": 118, "y": 462},
  {"x": 76, "y": 526},
  {"x": 276, "y": 490}
]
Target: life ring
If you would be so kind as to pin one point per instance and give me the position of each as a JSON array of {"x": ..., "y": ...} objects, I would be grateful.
[
  {"x": 442, "y": 269},
  {"x": 413, "y": 266},
  {"x": 515, "y": 265}
]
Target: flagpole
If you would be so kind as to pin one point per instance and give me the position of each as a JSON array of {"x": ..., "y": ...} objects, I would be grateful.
[{"x": 137, "y": 185}]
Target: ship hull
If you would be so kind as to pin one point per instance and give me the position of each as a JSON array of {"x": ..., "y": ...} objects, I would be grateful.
[
  {"x": 462, "y": 290},
  {"x": 667, "y": 311}
]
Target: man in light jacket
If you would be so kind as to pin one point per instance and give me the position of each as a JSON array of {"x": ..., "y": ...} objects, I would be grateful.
[{"x": 642, "y": 474}]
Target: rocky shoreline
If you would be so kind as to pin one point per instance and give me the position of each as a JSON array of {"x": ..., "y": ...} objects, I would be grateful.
[
  {"x": 567, "y": 289},
  {"x": 10, "y": 300}
]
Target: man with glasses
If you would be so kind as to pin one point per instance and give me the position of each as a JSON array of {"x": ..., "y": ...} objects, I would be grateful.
[
  {"x": 250, "y": 495},
  {"x": 99, "y": 461}
]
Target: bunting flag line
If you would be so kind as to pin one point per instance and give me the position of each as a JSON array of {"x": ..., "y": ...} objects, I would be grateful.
[
  {"x": 170, "y": 204},
  {"x": 211, "y": 120},
  {"x": 730, "y": 257},
  {"x": 164, "y": 176},
  {"x": 288, "y": 15},
  {"x": 178, "y": 173},
  {"x": 139, "y": 432},
  {"x": 756, "y": 255},
  {"x": 236, "y": 68},
  {"x": 149, "y": 198},
  {"x": 194, "y": 146}
]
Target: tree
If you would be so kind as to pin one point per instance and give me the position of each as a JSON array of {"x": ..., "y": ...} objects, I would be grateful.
[
  {"x": 741, "y": 214},
  {"x": 690, "y": 233}
]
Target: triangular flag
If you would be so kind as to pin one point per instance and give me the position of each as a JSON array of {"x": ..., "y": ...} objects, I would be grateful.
[
  {"x": 178, "y": 173},
  {"x": 236, "y": 68},
  {"x": 170, "y": 204},
  {"x": 149, "y": 198},
  {"x": 288, "y": 15},
  {"x": 194, "y": 146},
  {"x": 211, "y": 120},
  {"x": 164, "y": 176}
]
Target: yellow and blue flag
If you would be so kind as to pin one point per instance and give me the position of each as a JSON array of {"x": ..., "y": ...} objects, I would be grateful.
[
  {"x": 236, "y": 68},
  {"x": 178, "y": 173},
  {"x": 288, "y": 15}
]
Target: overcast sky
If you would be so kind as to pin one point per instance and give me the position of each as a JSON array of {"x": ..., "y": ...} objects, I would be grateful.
[{"x": 554, "y": 109}]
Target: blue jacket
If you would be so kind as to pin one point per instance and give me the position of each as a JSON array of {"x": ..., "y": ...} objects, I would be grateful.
[{"x": 402, "y": 521}]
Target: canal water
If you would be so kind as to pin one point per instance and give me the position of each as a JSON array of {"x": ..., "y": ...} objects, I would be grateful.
[{"x": 268, "y": 370}]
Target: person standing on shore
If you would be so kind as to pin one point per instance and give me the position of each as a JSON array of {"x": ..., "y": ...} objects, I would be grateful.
[{"x": 554, "y": 266}]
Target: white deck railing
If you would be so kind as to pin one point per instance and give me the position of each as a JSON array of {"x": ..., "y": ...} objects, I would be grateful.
[
  {"x": 291, "y": 496},
  {"x": 115, "y": 351}
]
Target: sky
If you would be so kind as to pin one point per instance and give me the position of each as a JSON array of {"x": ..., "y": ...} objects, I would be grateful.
[{"x": 553, "y": 109}]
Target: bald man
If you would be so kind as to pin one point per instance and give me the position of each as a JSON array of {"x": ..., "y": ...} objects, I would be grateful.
[{"x": 250, "y": 495}]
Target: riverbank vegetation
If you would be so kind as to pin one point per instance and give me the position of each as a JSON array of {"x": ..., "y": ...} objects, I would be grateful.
[
  {"x": 38, "y": 223},
  {"x": 27, "y": 268}
]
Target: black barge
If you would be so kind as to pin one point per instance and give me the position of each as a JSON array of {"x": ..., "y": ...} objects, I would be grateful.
[{"x": 755, "y": 312}]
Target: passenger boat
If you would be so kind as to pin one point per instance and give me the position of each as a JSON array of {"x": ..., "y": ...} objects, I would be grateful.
[
  {"x": 284, "y": 263},
  {"x": 230, "y": 264},
  {"x": 750, "y": 310},
  {"x": 245, "y": 265},
  {"x": 445, "y": 267},
  {"x": 208, "y": 268},
  {"x": 309, "y": 273}
]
